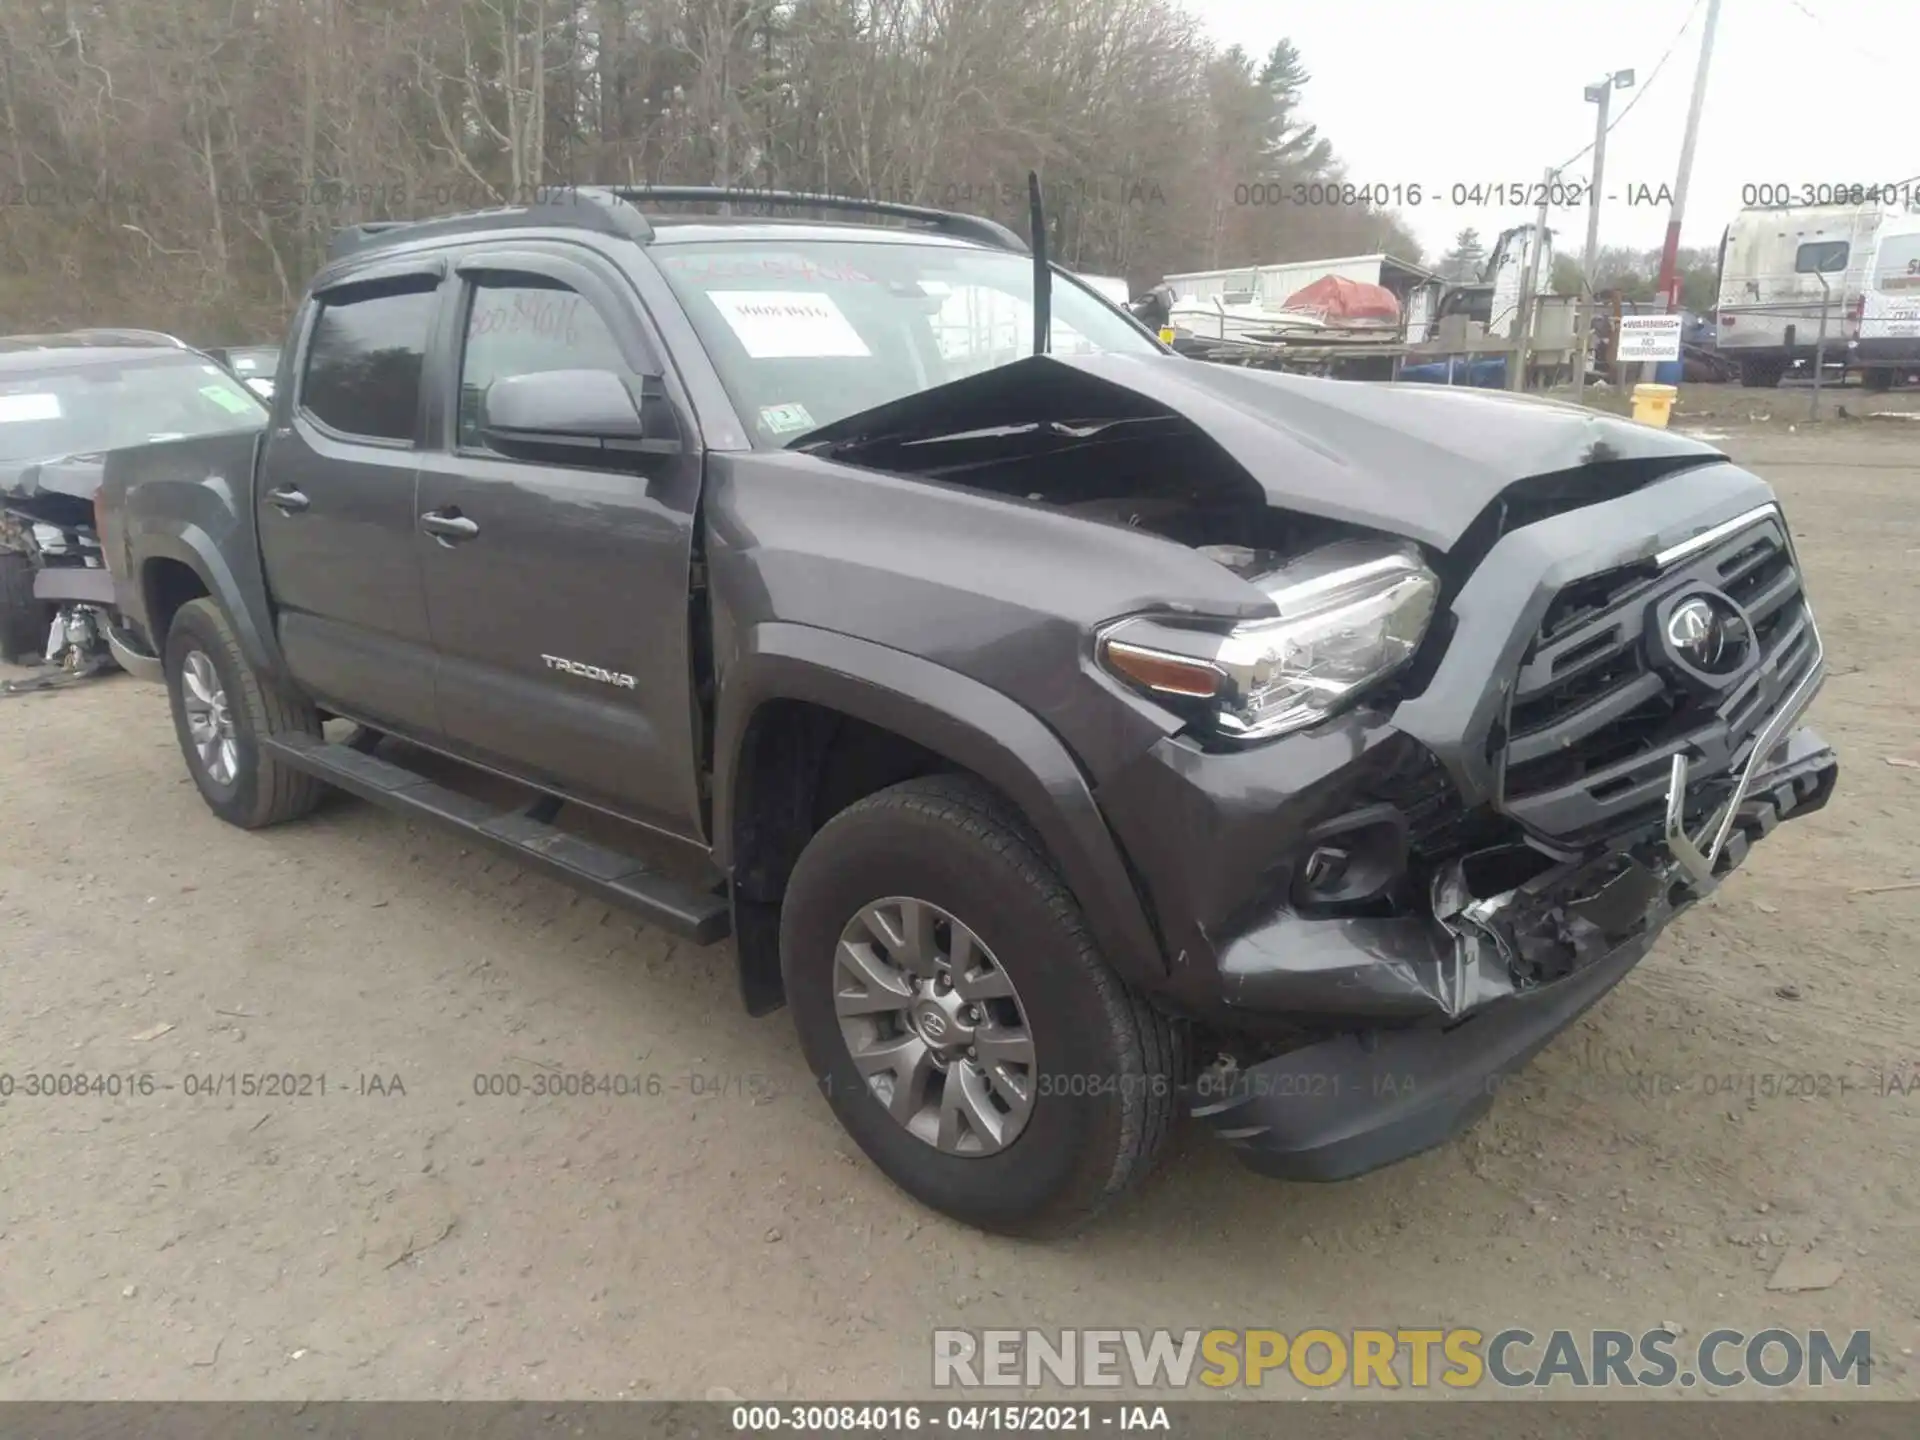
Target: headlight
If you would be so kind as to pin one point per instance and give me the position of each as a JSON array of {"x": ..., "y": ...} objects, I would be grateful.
[{"x": 1350, "y": 614}]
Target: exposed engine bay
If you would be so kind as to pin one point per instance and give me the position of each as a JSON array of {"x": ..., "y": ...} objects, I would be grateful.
[
  {"x": 1157, "y": 474},
  {"x": 46, "y": 515}
]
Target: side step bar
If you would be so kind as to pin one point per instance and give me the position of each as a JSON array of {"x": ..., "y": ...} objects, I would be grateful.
[{"x": 675, "y": 906}]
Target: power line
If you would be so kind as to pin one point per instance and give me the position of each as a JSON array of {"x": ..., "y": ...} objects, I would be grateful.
[
  {"x": 1640, "y": 89},
  {"x": 1854, "y": 46}
]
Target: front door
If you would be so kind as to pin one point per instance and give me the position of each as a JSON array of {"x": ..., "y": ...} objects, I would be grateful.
[
  {"x": 558, "y": 592},
  {"x": 336, "y": 508}
]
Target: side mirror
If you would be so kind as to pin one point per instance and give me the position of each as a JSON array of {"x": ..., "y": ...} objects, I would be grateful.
[{"x": 566, "y": 414}]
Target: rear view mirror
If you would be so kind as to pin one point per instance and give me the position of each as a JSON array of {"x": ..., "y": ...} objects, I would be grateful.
[{"x": 561, "y": 413}]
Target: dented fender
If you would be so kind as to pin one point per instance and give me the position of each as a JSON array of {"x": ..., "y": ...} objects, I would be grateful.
[{"x": 954, "y": 717}]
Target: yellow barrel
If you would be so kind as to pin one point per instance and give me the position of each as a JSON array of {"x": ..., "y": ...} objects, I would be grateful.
[{"x": 1653, "y": 403}]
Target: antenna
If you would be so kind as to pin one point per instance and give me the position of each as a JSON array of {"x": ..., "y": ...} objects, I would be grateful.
[{"x": 1042, "y": 271}]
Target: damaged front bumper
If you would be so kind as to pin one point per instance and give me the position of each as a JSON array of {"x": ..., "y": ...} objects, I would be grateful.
[
  {"x": 1473, "y": 992},
  {"x": 1429, "y": 891}
]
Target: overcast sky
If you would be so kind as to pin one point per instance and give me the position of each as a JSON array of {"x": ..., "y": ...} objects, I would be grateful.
[{"x": 1801, "y": 92}]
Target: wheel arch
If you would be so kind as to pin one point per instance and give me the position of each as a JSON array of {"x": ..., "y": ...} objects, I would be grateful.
[
  {"x": 185, "y": 564},
  {"x": 789, "y": 699}
]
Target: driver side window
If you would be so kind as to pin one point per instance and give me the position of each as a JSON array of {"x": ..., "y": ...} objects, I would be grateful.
[{"x": 526, "y": 325}]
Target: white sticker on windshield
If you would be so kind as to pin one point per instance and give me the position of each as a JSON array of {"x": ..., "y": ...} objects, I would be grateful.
[
  {"x": 785, "y": 419},
  {"x": 788, "y": 324},
  {"x": 29, "y": 407}
]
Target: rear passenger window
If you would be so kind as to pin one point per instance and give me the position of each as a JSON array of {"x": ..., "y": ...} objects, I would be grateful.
[
  {"x": 364, "y": 359},
  {"x": 526, "y": 325}
]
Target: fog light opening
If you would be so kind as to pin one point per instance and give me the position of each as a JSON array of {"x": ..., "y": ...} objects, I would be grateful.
[{"x": 1490, "y": 873}]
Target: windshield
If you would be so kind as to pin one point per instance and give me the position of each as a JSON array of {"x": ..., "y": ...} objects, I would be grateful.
[
  {"x": 1898, "y": 265},
  {"x": 804, "y": 333},
  {"x": 80, "y": 409}
]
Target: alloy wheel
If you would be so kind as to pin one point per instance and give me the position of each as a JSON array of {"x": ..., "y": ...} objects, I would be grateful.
[
  {"x": 935, "y": 1026},
  {"x": 209, "y": 718}
]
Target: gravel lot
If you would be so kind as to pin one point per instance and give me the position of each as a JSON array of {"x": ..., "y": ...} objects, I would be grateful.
[{"x": 413, "y": 1238}]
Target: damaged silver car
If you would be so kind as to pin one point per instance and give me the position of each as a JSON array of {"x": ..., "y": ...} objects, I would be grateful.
[{"x": 65, "y": 400}]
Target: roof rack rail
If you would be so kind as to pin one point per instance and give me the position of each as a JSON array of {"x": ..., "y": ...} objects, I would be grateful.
[
  {"x": 109, "y": 333},
  {"x": 587, "y": 207},
  {"x": 612, "y": 210},
  {"x": 946, "y": 222}
]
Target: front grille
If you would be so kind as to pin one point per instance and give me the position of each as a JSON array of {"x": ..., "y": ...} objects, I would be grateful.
[{"x": 1595, "y": 719}]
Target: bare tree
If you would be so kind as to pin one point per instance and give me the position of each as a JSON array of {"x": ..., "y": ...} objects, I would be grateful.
[{"x": 184, "y": 165}]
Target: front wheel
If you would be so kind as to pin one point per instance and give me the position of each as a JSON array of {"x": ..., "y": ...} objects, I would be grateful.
[
  {"x": 26, "y": 622},
  {"x": 958, "y": 1018},
  {"x": 222, "y": 709}
]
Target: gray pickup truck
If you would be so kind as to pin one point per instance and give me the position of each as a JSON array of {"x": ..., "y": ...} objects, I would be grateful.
[{"x": 1068, "y": 733}]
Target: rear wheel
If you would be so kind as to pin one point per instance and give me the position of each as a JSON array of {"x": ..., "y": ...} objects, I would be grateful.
[
  {"x": 222, "y": 710},
  {"x": 1877, "y": 379},
  {"x": 959, "y": 1019},
  {"x": 25, "y": 622},
  {"x": 1761, "y": 374}
]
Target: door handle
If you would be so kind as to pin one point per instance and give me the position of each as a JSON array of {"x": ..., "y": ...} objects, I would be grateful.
[
  {"x": 287, "y": 500},
  {"x": 448, "y": 526}
]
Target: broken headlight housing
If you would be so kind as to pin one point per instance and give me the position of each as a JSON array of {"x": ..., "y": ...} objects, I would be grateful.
[{"x": 1351, "y": 614}]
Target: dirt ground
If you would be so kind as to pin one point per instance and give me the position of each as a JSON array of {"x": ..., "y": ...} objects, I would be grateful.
[{"x": 413, "y": 1238}]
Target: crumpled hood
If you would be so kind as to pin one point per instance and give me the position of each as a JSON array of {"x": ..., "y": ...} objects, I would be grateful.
[
  {"x": 58, "y": 491},
  {"x": 1421, "y": 461}
]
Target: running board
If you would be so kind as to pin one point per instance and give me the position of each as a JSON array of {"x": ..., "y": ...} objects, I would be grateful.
[{"x": 676, "y": 906}]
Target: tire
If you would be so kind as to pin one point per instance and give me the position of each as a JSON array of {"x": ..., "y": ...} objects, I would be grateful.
[
  {"x": 1877, "y": 379},
  {"x": 1761, "y": 374},
  {"x": 24, "y": 621},
  {"x": 1104, "y": 1065},
  {"x": 260, "y": 791}
]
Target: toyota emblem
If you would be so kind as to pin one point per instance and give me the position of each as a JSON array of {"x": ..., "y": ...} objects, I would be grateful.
[
  {"x": 1708, "y": 636},
  {"x": 1697, "y": 632}
]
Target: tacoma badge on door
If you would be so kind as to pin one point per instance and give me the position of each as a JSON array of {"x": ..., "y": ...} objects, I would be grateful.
[{"x": 591, "y": 672}]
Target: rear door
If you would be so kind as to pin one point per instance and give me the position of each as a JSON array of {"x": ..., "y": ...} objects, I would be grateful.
[
  {"x": 336, "y": 504},
  {"x": 582, "y": 563},
  {"x": 1890, "y": 312}
]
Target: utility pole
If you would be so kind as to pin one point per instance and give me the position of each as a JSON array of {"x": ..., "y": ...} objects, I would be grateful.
[
  {"x": 1600, "y": 95},
  {"x": 1529, "y": 288},
  {"x": 1670, "y": 252},
  {"x": 1820, "y": 344}
]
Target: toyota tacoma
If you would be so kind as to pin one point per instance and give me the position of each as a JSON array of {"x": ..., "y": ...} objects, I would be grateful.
[{"x": 1071, "y": 735}]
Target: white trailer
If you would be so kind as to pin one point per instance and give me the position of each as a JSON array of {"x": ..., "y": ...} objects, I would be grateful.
[{"x": 1772, "y": 265}]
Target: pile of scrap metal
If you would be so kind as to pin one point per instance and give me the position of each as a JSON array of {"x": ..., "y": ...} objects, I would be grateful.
[
  {"x": 1333, "y": 314},
  {"x": 1702, "y": 364},
  {"x": 1236, "y": 318}
]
